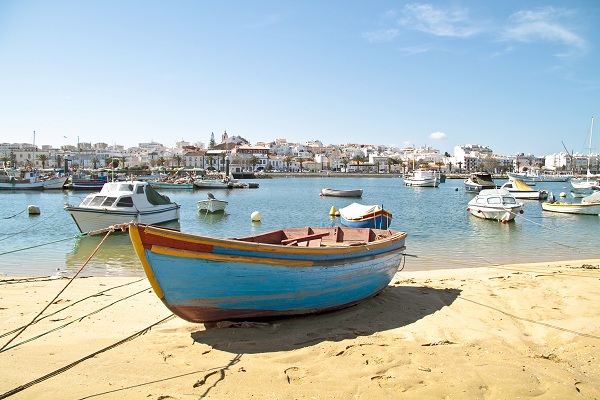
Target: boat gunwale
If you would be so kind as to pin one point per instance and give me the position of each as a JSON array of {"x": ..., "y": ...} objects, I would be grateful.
[{"x": 275, "y": 248}]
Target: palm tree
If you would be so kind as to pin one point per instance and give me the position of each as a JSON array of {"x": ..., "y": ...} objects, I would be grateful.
[
  {"x": 449, "y": 167},
  {"x": 358, "y": 159},
  {"x": 345, "y": 162},
  {"x": 288, "y": 160},
  {"x": 161, "y": 161},
  {"x": 59, "y": 160},
  {"x": 43, "y": 158},
  {"x": 95, "y": 162},
  {"x": 459, "y": 166},
  {"x": 223, "y": 155},
  {"x": 122, "y": 159},
  {"x": 300, "y": 160},
  {"x": 211, "y": 160},
  {"x": 253, "y": 162},
  {"x": 177, "y": 158}
]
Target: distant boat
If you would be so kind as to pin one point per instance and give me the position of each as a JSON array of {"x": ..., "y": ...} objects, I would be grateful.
[
  {"x": 172, "y": 185},
  {"x": 586, "y": 186},
  {"x": 341, "y": 192},
  {"x": 13, "y": 179},
  {"x": 213, "y": 182},
  {"x": 211, "y": 204},
  {"x": 422, "y": 178},
  {"x": 88, "y": 180},
  {"x": 279, "y": 273},
  {"x": 121, "y": 203},
  {"x": 365, "y": 216},
  {"x": 478, "y": 181},
  {"x": 589, "y": 205},
  {"x": 521, "y": 190},
  {"x": 498, "y": 204}
]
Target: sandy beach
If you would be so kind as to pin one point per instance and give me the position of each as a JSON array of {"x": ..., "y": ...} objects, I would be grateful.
[{"x": 502, "y": 332}]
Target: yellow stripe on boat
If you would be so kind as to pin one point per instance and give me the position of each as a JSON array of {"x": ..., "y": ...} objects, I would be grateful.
[{"x": 136, "y": 240}]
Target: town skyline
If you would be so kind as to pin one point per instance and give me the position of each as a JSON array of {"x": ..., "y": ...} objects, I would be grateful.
[{"x": 510, "y": 74}]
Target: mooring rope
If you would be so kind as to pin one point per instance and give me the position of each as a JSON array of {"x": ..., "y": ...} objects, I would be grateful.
[
  {"x": 79, "y": 319},
  {"x": 73, "y": 364},
  {"x": 12, "y": 216},
  {"x": 73, "y": 304},
  {"x": 59, "y": 293}
]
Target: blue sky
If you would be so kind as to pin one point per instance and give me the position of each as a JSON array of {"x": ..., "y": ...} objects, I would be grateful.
[{"x": 518, "y": 76}]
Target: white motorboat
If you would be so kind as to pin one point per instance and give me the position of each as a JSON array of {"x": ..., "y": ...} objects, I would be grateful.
[
  {"x": 422, "y": 178},
  {"x": 341, "y": 192},
  {"x": 212, "y": 204},
  {"x": 521, "y": 190},
  {"x": 498, "y": 204},
  {"x": 589, "y": 205},
  {"x": 529, "y": 177},
  {"x": 123, "y": 202}
]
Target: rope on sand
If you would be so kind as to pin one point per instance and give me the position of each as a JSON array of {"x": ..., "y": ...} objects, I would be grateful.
[
  {"x": 73, "y": 364},
  {"x": 63, "y": 289},
  {"x": 79, "y": 319}
]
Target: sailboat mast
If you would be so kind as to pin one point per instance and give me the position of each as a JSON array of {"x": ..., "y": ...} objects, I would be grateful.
[{"x": 590, "y": 148}]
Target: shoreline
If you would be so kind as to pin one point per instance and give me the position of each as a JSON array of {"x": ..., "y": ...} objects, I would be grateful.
[{"x": 507, "y": 331}]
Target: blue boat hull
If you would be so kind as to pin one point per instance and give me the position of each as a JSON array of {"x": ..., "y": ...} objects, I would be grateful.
[
  {"x": 378, "y": 222},
  {"x": 212, "y": 281}
]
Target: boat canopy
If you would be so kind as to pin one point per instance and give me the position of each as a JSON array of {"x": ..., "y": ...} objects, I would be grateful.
[{"x": 156, "y": 198}]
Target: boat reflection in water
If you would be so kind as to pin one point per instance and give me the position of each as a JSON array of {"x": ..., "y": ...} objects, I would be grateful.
[
  {"x": 114, "y": 258},
  {"x": 211, "y": 218}
]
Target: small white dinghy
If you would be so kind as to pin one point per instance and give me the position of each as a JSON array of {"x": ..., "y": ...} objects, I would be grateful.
[{"x": 212, "y": 204}]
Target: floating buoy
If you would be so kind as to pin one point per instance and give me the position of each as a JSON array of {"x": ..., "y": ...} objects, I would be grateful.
[
  {"x": 332, "y": 211},
  {"x": 255, "y": 216},
  {"x": 33, "y": 210},
  {"x": 504, "y": 221},
  {"x": 563, "y": 194}
]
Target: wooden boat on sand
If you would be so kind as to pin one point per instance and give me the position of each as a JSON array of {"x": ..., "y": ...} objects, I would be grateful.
[{"x": 278, "y": 273}]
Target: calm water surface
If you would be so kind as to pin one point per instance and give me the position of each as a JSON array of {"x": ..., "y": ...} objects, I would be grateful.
[{"x": 441, "y": 233}]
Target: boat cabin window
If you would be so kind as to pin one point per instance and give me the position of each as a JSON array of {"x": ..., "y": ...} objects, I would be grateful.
[
  {"x": 97, "y": 201},
  {"x": 126, "y": 201},
  {"x": 508, "y": 200},
  {"x": 493, "y": 200},
  {"x": 140, "y": 190},
  {"x": 87, "y": 200},
  {"x": 109, "y": 201}
]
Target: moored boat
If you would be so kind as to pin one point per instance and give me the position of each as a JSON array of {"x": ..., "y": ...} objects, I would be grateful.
[
  {"x": 365, "y": 216},
  {"x": 589, "y": 205},
  {"x": 341, "y": 192},
  {"x": 278, "y": 273},
  {"x": 497, "y": 204},
  {"x": 13, "y": 179},
  {"x": 478, "y": 181},
  {"x": 211, "y": 204},
  {"x": 422, "y": 178},
  {"x": 121, "y": 203},
  {"x": 521, "y": 190}
]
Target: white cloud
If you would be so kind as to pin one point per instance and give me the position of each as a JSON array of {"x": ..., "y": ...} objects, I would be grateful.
[
  {"x": 438, "y": 136},
  {"x": 437, "y": 21},
  {"x": 543, "y": 25}
]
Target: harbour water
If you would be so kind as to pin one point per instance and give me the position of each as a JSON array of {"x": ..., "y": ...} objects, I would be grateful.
[{"x": 441, "y": 233}]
